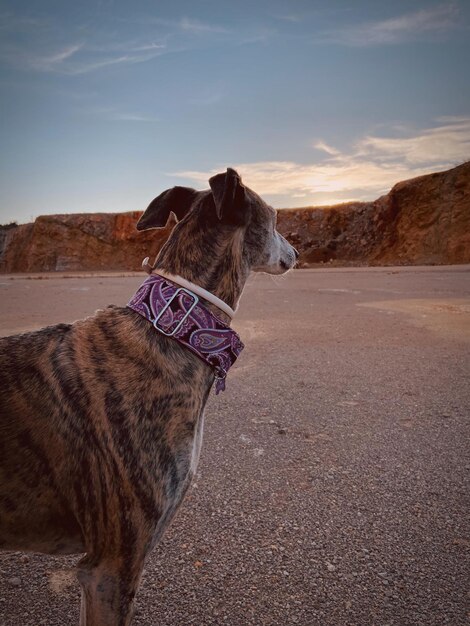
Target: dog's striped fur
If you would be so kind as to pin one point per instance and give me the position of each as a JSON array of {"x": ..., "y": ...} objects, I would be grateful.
[{"x": 101, "y": 420}]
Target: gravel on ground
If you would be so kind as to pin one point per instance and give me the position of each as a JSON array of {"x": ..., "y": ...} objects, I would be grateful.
[{"x": 333, "y": 487}]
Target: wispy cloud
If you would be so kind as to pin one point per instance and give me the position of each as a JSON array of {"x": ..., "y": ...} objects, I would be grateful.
[
  {"x": 76, "y": 59},
  {"x": 198, "y": 27},
  {"x": 288, "y": 17},
  {"x": 369, "y": 169},
  {"x": 131, "y": 117},
  {"x": 54, "y": 61},
  {"x": 188, "y": 33},
  {"x": 54, "y": 48},
  {"x": 10, "y": 22},
  {"x": 324, "y": 147},
  {"x": 112, "y": 114},
  {"x": 85, "y": 66},
  {"x": 47, "y": 46},
  {"x": 448, "y": 143},
  {"x": 431, "y": 21},
  {"x": 147, "y": 47},
  {"x": 195, "y": 29}
]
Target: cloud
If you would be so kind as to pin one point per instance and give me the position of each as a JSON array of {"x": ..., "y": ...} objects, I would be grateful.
[
  {"x": 52, "y": 47},
  {"x": 369, "y": 169},
  {"x": 149, "y": 46},
  {"x": 324, "y": 147},
  {"x": 131, "y": 117},
  {"x": 188, "y": 27},
  {"x": 288, "y": 17},
  {"x": 290, "y": 178},
  {"x": 92, "y": 65},
  {"x": 449, "y": 144},
  {"x": 112, "y": 114},
  {"x": 10, "y": 22},
  {"x": 53, "y": 61},
  {"x": 76, "y": 59},
  {"x": 427, "y": 22},
  {"x": 198, "y": 28}
]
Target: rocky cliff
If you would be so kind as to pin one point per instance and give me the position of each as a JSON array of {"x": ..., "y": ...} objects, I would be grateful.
[
  {"x": 82, "y": 241},
  {"x": 424, "y": 220}
]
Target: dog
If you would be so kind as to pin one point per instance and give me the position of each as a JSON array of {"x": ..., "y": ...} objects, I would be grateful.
[{"x": 101, "y": 420}]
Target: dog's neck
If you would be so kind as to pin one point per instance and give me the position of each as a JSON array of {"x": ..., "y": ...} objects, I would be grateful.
[
  {"x": 223, "y": 274},
  {"x": 197, "y": 290}
]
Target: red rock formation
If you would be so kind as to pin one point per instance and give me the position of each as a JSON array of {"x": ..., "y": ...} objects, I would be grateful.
[
  {"x": 424, "y": 220},
  {"x": 83, "y": 241}
]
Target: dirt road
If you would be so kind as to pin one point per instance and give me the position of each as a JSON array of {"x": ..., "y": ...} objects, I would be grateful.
[{"x": 333, "y": 488}]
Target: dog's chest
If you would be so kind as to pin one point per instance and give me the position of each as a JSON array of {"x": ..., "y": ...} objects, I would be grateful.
[
  {"x": 188, "y": 459},
  {"x": 196, "y": 446}
]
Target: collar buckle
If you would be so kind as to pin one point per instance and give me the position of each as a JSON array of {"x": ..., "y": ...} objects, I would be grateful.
[{"x": 187, "y": 312}]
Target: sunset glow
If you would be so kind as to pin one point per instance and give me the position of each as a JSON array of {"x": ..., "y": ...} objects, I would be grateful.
[{"x": 107, "y": 104}]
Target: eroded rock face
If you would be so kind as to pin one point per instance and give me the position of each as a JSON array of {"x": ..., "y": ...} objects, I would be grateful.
[
  {"x": 424, "y": 220},
  {"x": 83, "y": 241}
]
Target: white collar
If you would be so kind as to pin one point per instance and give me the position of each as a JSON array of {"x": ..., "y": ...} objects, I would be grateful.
[{"x": 187, "y": 284}]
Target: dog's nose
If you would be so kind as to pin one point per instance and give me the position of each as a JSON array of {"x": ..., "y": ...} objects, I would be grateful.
[{"x": 296, "y": 252}]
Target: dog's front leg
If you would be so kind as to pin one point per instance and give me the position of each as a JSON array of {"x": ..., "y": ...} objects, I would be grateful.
[{"x": 108, "y": 591}]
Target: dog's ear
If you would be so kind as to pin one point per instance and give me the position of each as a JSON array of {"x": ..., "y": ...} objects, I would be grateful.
[
  {"x": 229, "y": 197},
  {"x": 177, "y": 200}
]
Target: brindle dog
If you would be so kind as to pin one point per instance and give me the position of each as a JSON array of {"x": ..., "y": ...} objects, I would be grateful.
[{"x": 101, "y": 420}]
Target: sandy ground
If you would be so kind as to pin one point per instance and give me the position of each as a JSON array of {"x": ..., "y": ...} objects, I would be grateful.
[{"x": 333, "y": 487}]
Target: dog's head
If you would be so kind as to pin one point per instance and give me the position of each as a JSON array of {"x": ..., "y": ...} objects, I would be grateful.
[{"x": 227, "y": 218}]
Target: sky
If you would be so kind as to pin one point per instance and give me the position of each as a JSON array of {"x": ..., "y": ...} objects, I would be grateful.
[{"x": 106, "y": 103}]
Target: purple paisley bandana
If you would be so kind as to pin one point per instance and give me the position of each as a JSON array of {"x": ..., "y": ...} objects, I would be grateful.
[{"x": 177, "y": 312}]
